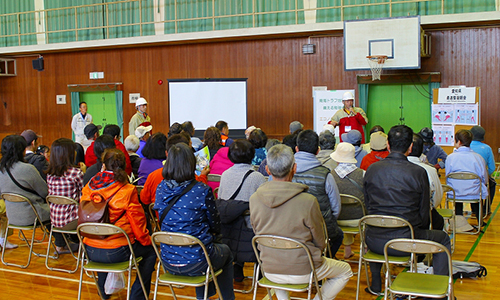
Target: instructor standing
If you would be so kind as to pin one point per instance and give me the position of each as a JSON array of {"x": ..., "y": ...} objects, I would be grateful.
[
  {"x": 80, "y": 120},
  {"x": 349, "y": 117},
  {"x": 140, "y": 116}
]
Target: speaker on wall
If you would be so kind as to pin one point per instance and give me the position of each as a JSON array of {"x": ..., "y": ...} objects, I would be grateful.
[{"x": 38, "y": 64}]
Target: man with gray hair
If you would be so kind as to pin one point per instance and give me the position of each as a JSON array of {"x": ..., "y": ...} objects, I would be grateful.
[
  {"x": 327, "y": 145},
  {"x": 284, "y": 208}
]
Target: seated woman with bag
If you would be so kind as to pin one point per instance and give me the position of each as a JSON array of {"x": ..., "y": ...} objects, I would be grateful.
[
  {"x": 64, "y": 179},
  {"x": 195, "y": 214},
  {"x": 21, "y": 178},
  {"x": 124, "y": 212},
  {"x": 237, "y": 184}
]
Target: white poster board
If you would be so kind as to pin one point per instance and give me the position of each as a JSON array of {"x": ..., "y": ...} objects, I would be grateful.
[
  {"x": 326, "y": 104},
  {"x": 457, "y": 95},
  {"x": 444, "y": 135}
]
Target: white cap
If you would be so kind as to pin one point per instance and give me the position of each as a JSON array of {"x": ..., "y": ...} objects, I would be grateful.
[
  {"x": 346, "y": 96},
  {"x": 142, "y": 130},
  {"x": 329, "y": 127},
  {"x": 140, "y": 101}
]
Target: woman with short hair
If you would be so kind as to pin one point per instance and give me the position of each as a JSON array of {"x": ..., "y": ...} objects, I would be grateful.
[{"x": 154, "y": 155}]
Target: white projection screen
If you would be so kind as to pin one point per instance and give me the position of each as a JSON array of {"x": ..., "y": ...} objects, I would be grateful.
[{"x": 206, "y": 101}]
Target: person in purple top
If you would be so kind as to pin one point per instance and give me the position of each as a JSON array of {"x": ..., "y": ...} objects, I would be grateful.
[{"x": 154, "y": 155}]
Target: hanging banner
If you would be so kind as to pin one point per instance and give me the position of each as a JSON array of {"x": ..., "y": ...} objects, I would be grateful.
[{"x": 326, "y": 104}]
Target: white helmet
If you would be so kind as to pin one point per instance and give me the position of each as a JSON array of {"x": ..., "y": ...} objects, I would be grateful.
[
  {"x": 140, "y": 101},
  {"x": 346, "y": 96}
]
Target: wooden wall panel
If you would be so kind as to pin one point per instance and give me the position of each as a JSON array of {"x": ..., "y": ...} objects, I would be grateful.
[{"x": 280, "y": 78}]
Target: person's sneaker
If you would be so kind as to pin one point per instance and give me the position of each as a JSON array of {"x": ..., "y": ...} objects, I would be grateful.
[{"x": 8, "y": 245}]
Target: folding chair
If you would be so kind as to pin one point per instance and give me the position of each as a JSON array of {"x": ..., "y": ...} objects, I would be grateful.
[
  {"x": 413, "y": 283},
  {"x": 254, "y": 274},
  {"x": 213, "y": 177},
  {"x": 351, "y": 200},
  {"x": 470, "y": 176},
  {"x": 103, "y": 229},
  {"x": 153, "y": 218},
  {"x": 448, "y": 214},
  {"x": 285, "y": 244},
  {"x": 37, "y": 223},
  {"x": 183, "y": 240},
  {"x": 366, "y": 255},
  {"x": 61, "y": 200}
]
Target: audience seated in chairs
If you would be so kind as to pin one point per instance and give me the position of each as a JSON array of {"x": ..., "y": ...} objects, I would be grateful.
[
  {"x": 464, "y": 159},
  {"x": 125, "y": 212},
  {"x": 64, "y": 179},
  {"x": 396, "y": 187},
  {"x": 101, "y": 143},
  {"x": 235, "y": 190},
  {"x": 259, "y": 140},
  {"x": 212, "y": 140},
  {"x": 327, "y": 146},
  {"x": 132, "y": 144},
  {"x": 195, "y": 214},
  {"x": 280, "y": 207},
  {"x": 154, "y": 155},
  {"x": 21, "y": 178},
  {"x": 349, "y": 180}
]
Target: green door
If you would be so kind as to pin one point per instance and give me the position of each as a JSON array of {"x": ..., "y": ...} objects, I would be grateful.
[
  {"x": 394, "y": 104},
  {"x": 102, "y": 107}
]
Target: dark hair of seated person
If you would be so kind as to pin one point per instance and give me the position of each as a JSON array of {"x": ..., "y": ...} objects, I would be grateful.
[
  {"x": 418, "y": 145},
  {"x": 400, "y": 138},
  {"x": 102, "y": 143},
  {"x": 241, "y": 151},
  {"x": 174, "y": 129},
  {"x": 62, "y": 156},
  {"x": 212, "y": 138},
  {"x": 113, "y": 130},
  {"x": 188, "y": 127},
  {"x": 258, "y": 138},
  {"x": 114, "y": 160},
  {"x": 327, "y": 140},
  {"x": 180, "y": 164},
  {"x": 175, "y": 139},
  {"x": 80, "y": 154},
  {"x": 291, "y": 141},
  {"x": 12, "y": 151},
  {"x": 221, "y": 125},
  {"x": 155, "y": 146},
  {"x": 308, "y": 141},
  {"x": 464, "y": 136},
  {"x": 376, "y": 128}
]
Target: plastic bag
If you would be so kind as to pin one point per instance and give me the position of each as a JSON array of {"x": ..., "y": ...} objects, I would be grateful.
[{"x": 115, "y": 282}]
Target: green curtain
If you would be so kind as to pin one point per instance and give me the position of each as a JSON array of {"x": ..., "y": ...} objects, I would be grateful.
[
  {"x": 277, "y": 19},
  {"x": 119, "y": 111},
  {"x": 227, "y": 8},
  {"x": 363, "y": 99},
  {"x": 128, "y": 13},
  {"x": 10, "y": 25},
  {"x": 75, "y": 106}
]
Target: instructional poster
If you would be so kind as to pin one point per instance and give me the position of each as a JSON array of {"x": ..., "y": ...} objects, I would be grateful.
[
  {"x": 444, "y": 135},
  {"x": 442, "y": 113},
  {"x": 326, "y": 104},
  {"x": 466, "y": 114}
]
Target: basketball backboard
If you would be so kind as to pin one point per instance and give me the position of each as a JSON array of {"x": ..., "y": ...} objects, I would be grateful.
[{"x": 397, "y": 38}]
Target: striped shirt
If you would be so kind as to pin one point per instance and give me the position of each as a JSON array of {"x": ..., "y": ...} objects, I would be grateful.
[{"x": 69, "y": 185}]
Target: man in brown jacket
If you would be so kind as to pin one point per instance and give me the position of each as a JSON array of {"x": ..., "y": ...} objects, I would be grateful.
[{"x": 281, "y": 207}]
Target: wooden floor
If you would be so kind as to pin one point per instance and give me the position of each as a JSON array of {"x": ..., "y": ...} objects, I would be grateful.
[{"x": 36, "y": 282}]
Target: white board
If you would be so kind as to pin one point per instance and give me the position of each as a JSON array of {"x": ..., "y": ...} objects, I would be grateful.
[{"x": 206, "y": 101}]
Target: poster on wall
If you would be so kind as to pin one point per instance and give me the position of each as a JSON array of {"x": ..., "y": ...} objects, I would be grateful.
[
  {"x": 457, "y": 95},
  {"x": 326, "y": 104},
  {"x": 466, "y": 114},
  {"x": 444, "y": 135},
  {"x": 442, "y": 113}
]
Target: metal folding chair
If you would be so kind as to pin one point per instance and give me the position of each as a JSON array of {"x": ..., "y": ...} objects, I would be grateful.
[
  {"x": 285, "y": 244},
  {"x": 448, "y": 214},
  {"x": 153, "y": 219},
  {"x": 103, "y": 229},
  {"x": 366, "y": 255},
  {"x": 213, "y": 177},
  {"x": 351, "y": 200},
  {"x": 37, "y": 223},
  {"x": 470, "y": 176},
  {"x": 183, "y": 240},
  {"x": 417, "y": 284},
  {"x": 61, "y": 200}
]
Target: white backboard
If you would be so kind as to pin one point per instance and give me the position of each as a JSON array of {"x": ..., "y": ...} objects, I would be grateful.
[{"x": 397, "y": 38}]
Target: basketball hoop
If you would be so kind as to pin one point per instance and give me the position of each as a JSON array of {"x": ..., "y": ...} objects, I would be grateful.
[{"x": 376, "y": 63}]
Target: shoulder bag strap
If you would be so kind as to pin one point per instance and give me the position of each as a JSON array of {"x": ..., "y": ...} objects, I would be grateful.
[
  {"x": 22, "y": 187},
  {"x": 355, "y": 184},
  {"x": 241, "y": 184},
  {"x": 175, "y": 199}
]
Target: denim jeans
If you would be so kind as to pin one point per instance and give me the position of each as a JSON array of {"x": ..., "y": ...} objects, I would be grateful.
[
  {"x": 146, "y": 266},
  {"x": 221, "y": 258}
]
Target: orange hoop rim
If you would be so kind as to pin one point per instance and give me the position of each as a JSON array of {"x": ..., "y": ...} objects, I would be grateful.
[{"x": 378, "y": 58}]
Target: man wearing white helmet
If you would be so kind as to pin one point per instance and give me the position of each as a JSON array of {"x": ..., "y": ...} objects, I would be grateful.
[
  {"x": 140, "y": 116},
  {"x": 349, "y": 117}
]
